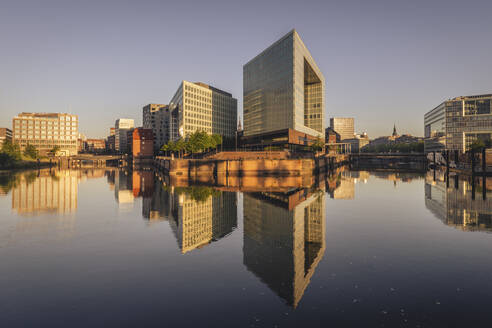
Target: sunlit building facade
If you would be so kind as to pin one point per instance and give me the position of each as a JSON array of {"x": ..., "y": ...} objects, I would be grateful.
[
  {"x": 344, "y": 126},
  {"x": 283, "y": 88},
  {"x": 46, "y": 131},
  {"x": 122, "y": 128},
  {"x": 201, "y": 107},
  {"x": 455, "y": 124}
]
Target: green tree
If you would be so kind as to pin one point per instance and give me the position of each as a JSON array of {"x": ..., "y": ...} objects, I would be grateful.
[
  {"x": 317, "y": 145},
  {"x": 197, "y": 142},
  {"x": 12, "y": 150},
  {"x": 179, "y": 146},
  {"x": 31, "y": 151},
  {"x": 216, "y": 140}
]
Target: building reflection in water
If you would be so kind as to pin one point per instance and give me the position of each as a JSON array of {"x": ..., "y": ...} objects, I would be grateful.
[
  {"x": 122, "y": 183},
  {"x": 201, "y": 215},
  {"x": 198, "y": 215},
  {"x": 51, "y": 192},
  {"x": 284, "y": 239},
  {"x": 45, "y": 191},
  {"x": 341, "y": 184},
  {"x": 455, "y": 205}
]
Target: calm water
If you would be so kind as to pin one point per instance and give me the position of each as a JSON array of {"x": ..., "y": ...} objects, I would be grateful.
[{"x": 118, "y": 248}]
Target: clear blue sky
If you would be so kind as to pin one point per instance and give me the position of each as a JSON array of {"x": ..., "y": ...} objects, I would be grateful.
[{"x": 384, "y": 62}]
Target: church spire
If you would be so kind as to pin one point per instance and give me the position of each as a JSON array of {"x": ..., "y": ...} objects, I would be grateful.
[{"x": 394, "y": 131}]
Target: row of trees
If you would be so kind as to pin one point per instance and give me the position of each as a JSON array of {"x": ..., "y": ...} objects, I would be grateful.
[
  {"x": 412, "y": 147},
  {"x": 11, "y": 153},
  {"x": 197, "y": 142}
]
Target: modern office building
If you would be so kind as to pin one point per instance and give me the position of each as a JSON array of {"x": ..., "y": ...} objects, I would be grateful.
[
  {"x": 121, "y": 127},
  {"x": 157, "y": 117},
  {"x": 47, "y": 130},
  {"x": 5, "y": 135},
  {"x": 201, "y": 107},
  {"x": 284, "y": 89},
  {"x": 344, "y": 126},
  {"x": 456, "y": 123}
]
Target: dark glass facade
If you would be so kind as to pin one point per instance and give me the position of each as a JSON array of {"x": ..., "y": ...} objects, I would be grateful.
[{"x": 283, "y": 89}]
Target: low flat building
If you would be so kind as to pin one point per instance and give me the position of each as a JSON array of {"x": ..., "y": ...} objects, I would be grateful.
[
  {"x": 95, "y": 145},
  {"x": 5, "y": 135},
  {"x": 456, "y": 123},
  {"x": 357, "y": 143},
  {"x": 288, "y": 139},
  {"x": 46, "y": 131}
]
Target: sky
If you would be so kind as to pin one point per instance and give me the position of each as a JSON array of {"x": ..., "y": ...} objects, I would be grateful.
[{"x": 384, "y": 62}]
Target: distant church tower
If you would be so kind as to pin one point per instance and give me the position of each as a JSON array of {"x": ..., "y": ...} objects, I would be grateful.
[
  {"x": 239, "y": 126},
  {"x": 394, "y": 131}
]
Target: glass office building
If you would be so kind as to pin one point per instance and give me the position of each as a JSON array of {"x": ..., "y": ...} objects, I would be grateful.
[
  {"x": 457, "y": 123},
  {"x": 284, "y": 89}
]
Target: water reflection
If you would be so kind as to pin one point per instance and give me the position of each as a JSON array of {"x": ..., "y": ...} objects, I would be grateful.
[
  {"x": 341, "y": 184},
  {"x": 200, "y": 215},
  {"x": 284, "y": 239},
  {"x": 45, "y": 191},
  {"x": 284, "y": 220},
  {"x": 458, "y": 202}
]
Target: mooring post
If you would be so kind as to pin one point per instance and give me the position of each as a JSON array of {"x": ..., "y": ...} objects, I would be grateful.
[
  {"x": 484, "y": 162},
  {"x": 447, "y": 160},
  {"x": 484, "y": 187},
  {"x": 473, "y": 162},
  {"x": 473, "y": 187}
]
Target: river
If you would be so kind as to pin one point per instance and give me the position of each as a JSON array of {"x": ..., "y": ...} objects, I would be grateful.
[{"x": 109, "y": 247}]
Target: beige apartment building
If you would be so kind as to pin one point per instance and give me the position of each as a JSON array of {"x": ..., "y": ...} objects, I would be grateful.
[
  {"x": 201, "y": 107},
  {"x": 47, "y": 130}
]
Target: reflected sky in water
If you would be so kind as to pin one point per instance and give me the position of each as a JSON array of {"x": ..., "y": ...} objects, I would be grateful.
[{"x": 131, "y": 248}]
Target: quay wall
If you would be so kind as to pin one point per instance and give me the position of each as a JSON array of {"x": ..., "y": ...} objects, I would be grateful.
[{"x": 249, "y": 167}]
